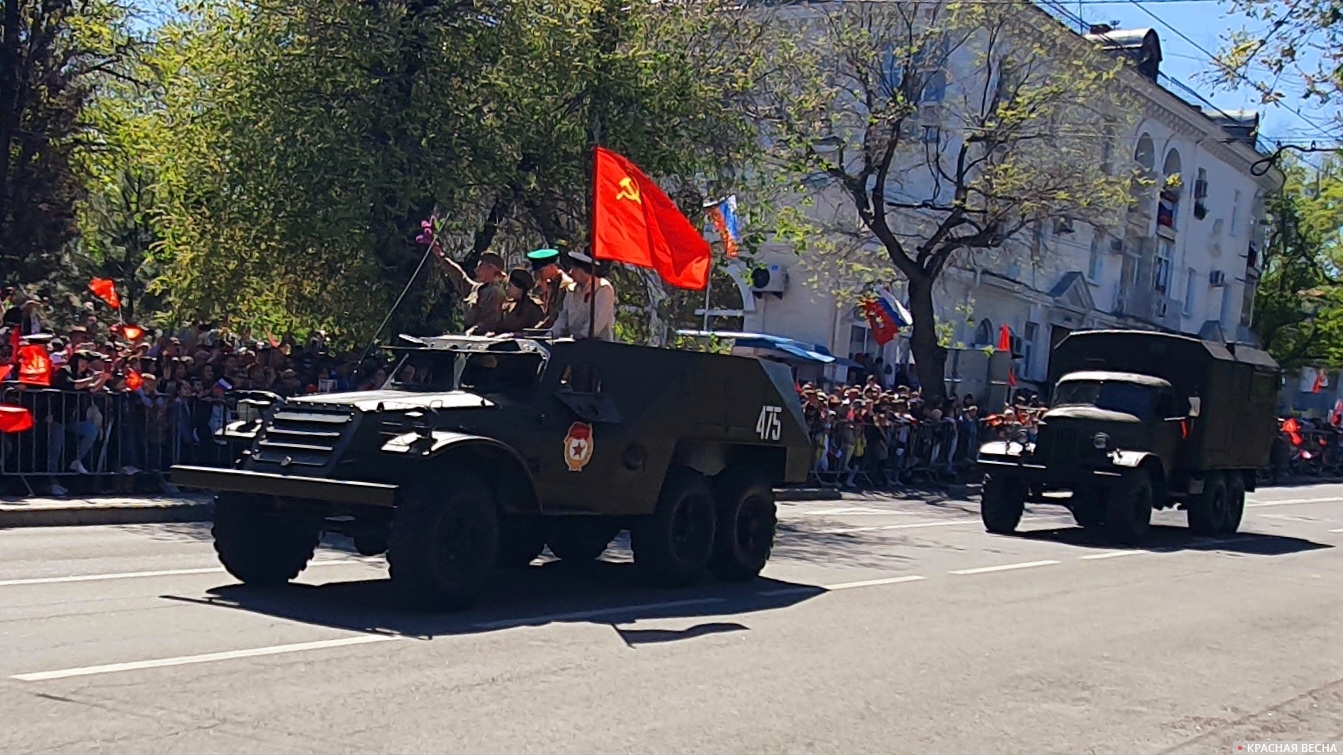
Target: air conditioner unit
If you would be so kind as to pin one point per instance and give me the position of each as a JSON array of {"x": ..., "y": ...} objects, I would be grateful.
[
  {"x": 1063, "y": 225},
  {"x": 1117, "y": 246},
  {"x": 1216, "y": 279},
  {"x": 769, "y": 279}
]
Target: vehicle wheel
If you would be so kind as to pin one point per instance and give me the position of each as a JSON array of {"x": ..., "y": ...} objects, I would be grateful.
[
  {"x": 1088, "y": 509},
  {"x": 744, "y": 534},
  {"x": 1207, "y": 513},
  {"x": 580, "y": 538},
  {"x": 1001, "y": 504},
  {"x": 444, "y": 544},
  {"x": 1128, "y": 511},
  {"x": 521, "y": 540},
  {"x": 672, "y": 545},
  {"x": 256, "y": 545},
  {"x": 1235, "y": 502}
]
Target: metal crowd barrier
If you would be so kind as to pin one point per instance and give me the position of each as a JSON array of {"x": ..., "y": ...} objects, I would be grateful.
[
  {"x": 896, "y": 454},
  {"x": 80, "y": 436}
]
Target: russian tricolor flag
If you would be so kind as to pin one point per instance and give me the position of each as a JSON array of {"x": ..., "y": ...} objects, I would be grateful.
[
  {"x": 723, "y": 215},
  {"x": 885, "y": 315}
]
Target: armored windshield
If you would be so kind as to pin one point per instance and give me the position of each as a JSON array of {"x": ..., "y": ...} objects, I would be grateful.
[
  {"x": 438, "y": 370},
  {"x": 1111, "y": 395}
]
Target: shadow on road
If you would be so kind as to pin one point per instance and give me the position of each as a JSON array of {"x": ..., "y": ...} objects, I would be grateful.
[
  {"x": 600, "y": 593},
  {"x": 1165, "y": 539}
]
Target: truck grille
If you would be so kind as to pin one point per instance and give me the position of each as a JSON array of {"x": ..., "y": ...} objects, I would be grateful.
[
  {"x": 1060, "y": 445},
  {"x": 302, "y": 440}
]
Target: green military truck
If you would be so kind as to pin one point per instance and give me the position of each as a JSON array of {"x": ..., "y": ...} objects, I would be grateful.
[
  {"x": 1140, "y": 421},
  {"x": 480, "y": 452}
]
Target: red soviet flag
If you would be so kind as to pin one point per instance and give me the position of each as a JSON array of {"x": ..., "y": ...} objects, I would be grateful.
[
  {"x": 107, "y": 291},
  {"x": 635, "y": 222}
]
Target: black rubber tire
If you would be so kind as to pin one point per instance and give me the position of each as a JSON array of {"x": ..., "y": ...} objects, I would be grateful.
[
  {"x": 257, "y": 546},
  {"x": 1235, "y": 498},
  {"x": 1088, "y": 508},
  {"x": 444, "y": 544},
  {"x": 580, "y": 538},
  {"x": 672, "y": 546},
  {"x": 1001, "y": 504},
  {"x": 744, "y": 535},
  {"x": 521, "y": 540},
  {"x": 1128, "y": 510},
  {"x": 1207, "y": 513}
]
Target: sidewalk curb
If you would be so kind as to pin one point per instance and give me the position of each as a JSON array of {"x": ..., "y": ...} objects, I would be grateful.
[
  {"x": 808, "y": 494},
  {"x": 14, "y": 516}
]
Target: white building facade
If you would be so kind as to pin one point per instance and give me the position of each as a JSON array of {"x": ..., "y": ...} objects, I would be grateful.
[{"x": 1185, "y": 259}]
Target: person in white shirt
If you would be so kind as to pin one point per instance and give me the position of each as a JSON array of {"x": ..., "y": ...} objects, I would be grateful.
[{"x": 581, "y": 317}]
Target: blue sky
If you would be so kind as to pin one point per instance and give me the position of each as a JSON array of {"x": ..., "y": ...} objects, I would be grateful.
[{"x": 1207, "y": 25}]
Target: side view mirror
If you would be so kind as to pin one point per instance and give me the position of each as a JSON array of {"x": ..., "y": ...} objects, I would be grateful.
[{"x": 1194, "y": 405}]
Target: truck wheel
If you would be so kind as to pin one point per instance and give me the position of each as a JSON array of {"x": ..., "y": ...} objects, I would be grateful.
[
  {"x": 1128, "y": 512},
  {"x": 1089, "y": 512},
  {"x": 1001, "y": 504},
  {"x": 1207, "y": 514},
  {"x": 444, "y": 545},
  {"x": 744, "y": 534},
  {"x": 259, "y": 547},
  {"x": 673, "y": 544},
  {"x": 1235, "y": 502},
  {"x": 580, "y": 538},
  {"x": 520, "y": 542}
]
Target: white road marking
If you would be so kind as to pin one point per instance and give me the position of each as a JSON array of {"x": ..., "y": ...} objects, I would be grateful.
[
  {"x": 1112, "y": 554},
  {"x": 141, "y": 574},
  {"x": 1337, "y": 530},
  {"x": 874, "y": 582},
  {"x": 184, "y": 660},
  {"x": 613, "y": 610},
  {"x": 1005, "y": 567},
  {"x": 1291, "y": 502}
]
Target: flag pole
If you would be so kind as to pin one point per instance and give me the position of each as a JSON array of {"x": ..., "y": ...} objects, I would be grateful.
[
  {"x": 592, "y": 236},
  {"x": 708, "y": 287}
]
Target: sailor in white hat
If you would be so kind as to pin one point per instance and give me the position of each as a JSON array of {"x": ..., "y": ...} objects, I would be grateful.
[{"x": 589, "y": 304}]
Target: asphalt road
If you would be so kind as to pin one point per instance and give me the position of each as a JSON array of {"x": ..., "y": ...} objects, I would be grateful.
[{"x": 885, "y": 626}]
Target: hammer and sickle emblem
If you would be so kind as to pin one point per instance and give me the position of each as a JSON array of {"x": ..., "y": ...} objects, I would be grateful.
[{"x": 629, "y": 190}]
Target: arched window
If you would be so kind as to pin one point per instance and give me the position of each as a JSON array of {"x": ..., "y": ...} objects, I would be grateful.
[
  {"x": 984, "y": 333},
  {"x": 1145, "y": 153}
]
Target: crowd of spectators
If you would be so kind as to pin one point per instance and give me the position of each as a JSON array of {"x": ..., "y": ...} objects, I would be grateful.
[
  {"x": 870, "y": 435},
  {"x": 170, "y": 389}
]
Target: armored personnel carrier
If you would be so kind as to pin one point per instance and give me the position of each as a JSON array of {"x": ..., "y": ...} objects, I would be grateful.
[
  {"x": 479, "y": 452},
  {"x": 1140, "y": 421}
]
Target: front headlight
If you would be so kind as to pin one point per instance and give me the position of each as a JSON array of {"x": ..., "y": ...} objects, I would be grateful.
[{"x": 1101, "y": 441}]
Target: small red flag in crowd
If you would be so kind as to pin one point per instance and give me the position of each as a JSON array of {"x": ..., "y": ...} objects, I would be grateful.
[
  {"x": 106, "y": 290},
  {"x": 15, "y": 419},
  {"x": 133, "y": 380},
  {"x": 1004, "y": 339},
  {"x": 34, "y": 366},
  {"x": 635, "y": 222}
]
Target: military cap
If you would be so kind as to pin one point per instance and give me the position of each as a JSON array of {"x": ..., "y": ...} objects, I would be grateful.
[{"x": 542, "y": 257}]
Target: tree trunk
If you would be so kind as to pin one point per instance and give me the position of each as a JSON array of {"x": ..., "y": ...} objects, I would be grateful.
[
  {"x": 930, "y": 359},
  {"x": 10, "y": 107}
]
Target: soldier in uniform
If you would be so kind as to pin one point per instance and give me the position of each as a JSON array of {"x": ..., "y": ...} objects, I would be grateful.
[
  {"x": 589, "y": 304},
  {"x": 521, "y": 311},
  {"x": 551, "y": 284},
  {"x": 483, "y": 296}
]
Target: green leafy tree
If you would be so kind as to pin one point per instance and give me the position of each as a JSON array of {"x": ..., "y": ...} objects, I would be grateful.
[
  {"x": 1298, "y": 306},
  {"x": 298, "y": 146},
  {"x": 930, "y": 135},
  {"x": 54, "y": 54},
  {"x": 1297, "y": 43}
]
